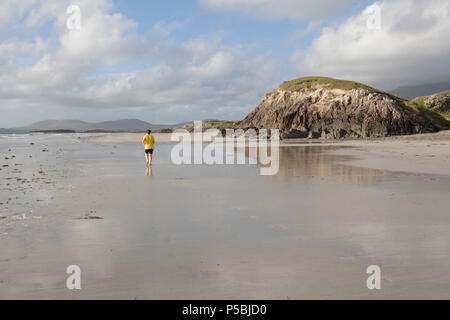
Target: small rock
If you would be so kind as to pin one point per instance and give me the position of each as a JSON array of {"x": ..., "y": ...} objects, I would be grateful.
[{"x": 89, "y": 217}]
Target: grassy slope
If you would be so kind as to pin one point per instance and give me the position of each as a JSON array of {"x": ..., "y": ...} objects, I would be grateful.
[
  {"x": 441, "y": 118},
  {"x": 443, "y": 93},
  {"x": 310, "y": 82}
]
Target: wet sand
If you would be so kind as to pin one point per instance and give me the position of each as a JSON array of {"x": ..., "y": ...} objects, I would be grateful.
[
  {"x": 424, "y": 153},
  {"x": 128, "y": 138},
  {"x": 225, "y": 232}
]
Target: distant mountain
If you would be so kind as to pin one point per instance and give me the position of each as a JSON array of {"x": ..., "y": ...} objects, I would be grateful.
[
  {"x": 58, "y": 125},
  {"x": 411, "y": 92},
  {"x": 10, "y": 131},
  {"x": 127, "y": 125}
]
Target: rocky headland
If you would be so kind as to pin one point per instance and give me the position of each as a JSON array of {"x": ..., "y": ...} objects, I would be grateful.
[{"x": 318, "y": 107}]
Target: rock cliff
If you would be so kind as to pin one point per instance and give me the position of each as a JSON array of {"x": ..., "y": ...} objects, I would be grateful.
[{"x": 316, "y": 107}]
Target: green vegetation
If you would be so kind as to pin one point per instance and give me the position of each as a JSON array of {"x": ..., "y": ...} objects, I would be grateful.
[
  {"x": 420, "y": 101},
  {"x": 440, "y": 118},
  {"x": 312, "y": 82},
  {"x": 444, "y": 93}
]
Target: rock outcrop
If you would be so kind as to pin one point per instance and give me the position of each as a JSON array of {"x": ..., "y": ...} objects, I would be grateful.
[
  {"x": 439, "y": 102},
  {"x": 329, "y": 108}
]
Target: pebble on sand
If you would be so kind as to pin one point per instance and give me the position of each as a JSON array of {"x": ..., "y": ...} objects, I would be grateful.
[{"x": 89, "y": 217}]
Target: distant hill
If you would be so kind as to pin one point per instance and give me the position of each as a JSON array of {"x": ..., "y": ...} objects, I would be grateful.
[
  {"x": 438, "y": 102},
  {"x": 127, "y": 125},
  {"x": 57, "y": 125},
  {"x": 411, "y": 92},
  {"x": 66, "y": 126}
]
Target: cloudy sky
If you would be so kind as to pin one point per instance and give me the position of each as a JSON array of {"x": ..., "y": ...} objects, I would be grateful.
[{"x": 172, "y": 61}]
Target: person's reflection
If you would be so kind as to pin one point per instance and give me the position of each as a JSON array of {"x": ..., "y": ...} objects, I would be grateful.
[{"x": 148, "y": 171}]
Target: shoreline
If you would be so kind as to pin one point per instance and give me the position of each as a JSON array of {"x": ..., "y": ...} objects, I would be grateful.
[
  {"x": 165, "y": 137},
  {"x": 423, "y": 153}
]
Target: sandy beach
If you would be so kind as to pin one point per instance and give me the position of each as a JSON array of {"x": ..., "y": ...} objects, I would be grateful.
[
  {"x": 425, "y": 153},
  {"x": 224, "y": 232}
]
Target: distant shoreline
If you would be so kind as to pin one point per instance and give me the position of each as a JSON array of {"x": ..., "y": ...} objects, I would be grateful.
[{"x": 125, "y": 137}]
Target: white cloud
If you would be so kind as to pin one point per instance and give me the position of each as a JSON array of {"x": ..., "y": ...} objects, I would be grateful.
[
  {"x": 108, "y": 70},
  {"x": 411, "y": 47},
  {"x": 34, "y": 47},
  {"x": 11, "y": 10},
  {"x": 276, "y": 9},
  {"x": 83, "y": 70}
]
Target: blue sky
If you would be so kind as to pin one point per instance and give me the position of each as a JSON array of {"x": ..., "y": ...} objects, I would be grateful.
[
  {"x": 172, "y": 61},
  {"x": 268, "y": 35}
]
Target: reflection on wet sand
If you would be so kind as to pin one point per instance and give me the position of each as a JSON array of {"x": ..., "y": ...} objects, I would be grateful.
[
  {"x": 149, "y": 171},
  {"x": 225, "y": 232},
  {"x": 304, "y": 162}
]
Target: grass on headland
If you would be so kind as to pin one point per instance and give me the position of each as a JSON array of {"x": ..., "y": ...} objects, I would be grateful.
[
  {"x": 441, "y": 119},
  {"x": 444, "y": 93},
  {"x": 312, "y": 83}
]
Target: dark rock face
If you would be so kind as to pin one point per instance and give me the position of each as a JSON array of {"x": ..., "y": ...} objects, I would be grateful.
[
  {"x": 438, "y": 102},
  {"x": 334, "y": 113}
]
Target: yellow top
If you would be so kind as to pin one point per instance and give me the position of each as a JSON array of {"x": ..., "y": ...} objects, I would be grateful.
[{"x": 148, "y": 141}]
